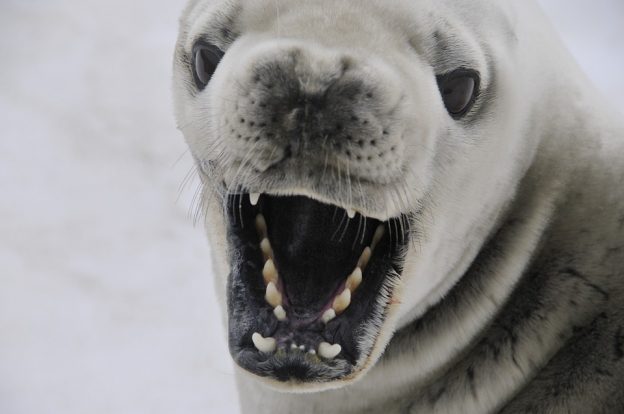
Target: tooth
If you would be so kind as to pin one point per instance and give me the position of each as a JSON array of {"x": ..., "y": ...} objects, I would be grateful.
[
  {"x": 293, "y": 346},
  {"x": 266, "y": 345},
  {"x": 302, "y": 347},
  {"x": 280, "y": 313},
  {"x": 269, "y": 272},
  {"x": 273, "y": 296},
  {"x": 365, "y": 257},
  {"x": 378, "y": 235},
  {"x": 354, "y": 279},
  {"x": 342, "y": 301},
  {"x": 253, "y": 198},
  {"x": 328, "y": 315},
  {"x": 261, "y": 226},
  {"x": 329, "y": 351},
  {"x": 350, "y": 213},
  {"x": 312, "y": 352},
  {"x": 267, "y": 251}
]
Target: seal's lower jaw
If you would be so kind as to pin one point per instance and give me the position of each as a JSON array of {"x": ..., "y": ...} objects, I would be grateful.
[{"x": 309, "y": 289}]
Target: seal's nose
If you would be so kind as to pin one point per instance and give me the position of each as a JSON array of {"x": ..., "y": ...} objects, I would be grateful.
[
  {"x": 303, "y": 91},
  {"x": 300, "y": 120}
]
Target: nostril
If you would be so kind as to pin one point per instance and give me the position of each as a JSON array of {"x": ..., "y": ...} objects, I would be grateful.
[{"x": 345, "y": 64}]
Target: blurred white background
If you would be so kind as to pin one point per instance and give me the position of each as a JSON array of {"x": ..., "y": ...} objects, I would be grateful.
[{"x": 106, "y": 299}]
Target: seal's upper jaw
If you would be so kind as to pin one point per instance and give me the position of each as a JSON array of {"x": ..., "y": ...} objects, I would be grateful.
[{"x": 310, "y": 286}]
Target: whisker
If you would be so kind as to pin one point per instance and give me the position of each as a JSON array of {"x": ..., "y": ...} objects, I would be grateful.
[
  {"x": 348, "y": 184},
  {"x": 396, "y": 230},
  {"x": 334, "y": 215},
  {"x": 186, "y": 151},
  {"x": 357, "y": 235},
  {"x": 186, "y": 181},
  {"x": 345, "y": 228},
  {"x": 195, "y": 204},
  {"x": 390, "y": 230},
  {"x": 362, "y": 198},
  {"x": 240, "y": 209},
  {"x": 339, "y": 226}
]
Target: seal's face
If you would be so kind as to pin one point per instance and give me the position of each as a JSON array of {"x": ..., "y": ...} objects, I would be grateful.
[{"x": 326, "y": 130}]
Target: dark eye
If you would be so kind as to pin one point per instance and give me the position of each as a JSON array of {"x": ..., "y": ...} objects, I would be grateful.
[
  {"x": 206, "y": 57},
  {"x": 459, "y": 91}
]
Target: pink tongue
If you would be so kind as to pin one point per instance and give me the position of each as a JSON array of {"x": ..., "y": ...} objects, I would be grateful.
[{"x": 316, "y": 247}]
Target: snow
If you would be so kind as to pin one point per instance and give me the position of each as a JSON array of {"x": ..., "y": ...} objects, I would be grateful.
[{"x": 106, "y": 296}]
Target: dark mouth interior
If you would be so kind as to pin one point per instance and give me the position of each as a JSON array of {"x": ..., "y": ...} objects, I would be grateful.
[{"x": 305, "y": 326}]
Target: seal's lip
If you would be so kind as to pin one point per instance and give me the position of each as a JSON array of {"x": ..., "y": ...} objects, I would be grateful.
[
  {"x": 300, "y": 177},
  {"x": 309, "y": 287}
]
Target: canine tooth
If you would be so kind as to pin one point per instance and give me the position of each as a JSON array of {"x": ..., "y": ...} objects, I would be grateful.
[
  {"x": 273, "y": 296},
  {"x": 269, "y": 272},
  {"x": 342, "y": 301},
  {"x": 328, "y": 315},
  {"x": 266, "y": 345},
  {"x": 329, "y": 351},
  {"x": 261, "y": 226},
  {"x": 253, "y": 198},
  {"x": 379, "y": 232},
  {"x": 350, "y": 213},
  {"x": 354, "y": 279},
  {"x": 279, "y": 313},
  {"x": 265, "y": 246},
  {"x": 365, "y": 257}
]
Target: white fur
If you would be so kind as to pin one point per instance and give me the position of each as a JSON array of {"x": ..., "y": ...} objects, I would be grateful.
[{"x": 463, "y": 175}]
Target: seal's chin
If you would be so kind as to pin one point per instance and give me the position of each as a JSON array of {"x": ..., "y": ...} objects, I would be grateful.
[{"x": 310, "y": 286}]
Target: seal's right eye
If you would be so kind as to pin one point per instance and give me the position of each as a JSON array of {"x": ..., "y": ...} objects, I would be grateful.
[
  {"x": 206, "y": 57},
  {"x": 459, "y": 90}
]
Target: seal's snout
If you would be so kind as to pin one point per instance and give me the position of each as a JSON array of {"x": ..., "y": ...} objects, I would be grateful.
[
  {"x": 316, "y": 106},
  {"x": 304, "y": 97}
]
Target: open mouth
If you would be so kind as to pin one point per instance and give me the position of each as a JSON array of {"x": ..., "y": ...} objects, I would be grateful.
[{"x": 310, "y": 285}]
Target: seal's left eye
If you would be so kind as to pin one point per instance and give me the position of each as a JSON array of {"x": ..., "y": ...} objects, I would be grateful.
[
  {"x": 206, "y": 57},
  {"x": 459, "y": 91}
]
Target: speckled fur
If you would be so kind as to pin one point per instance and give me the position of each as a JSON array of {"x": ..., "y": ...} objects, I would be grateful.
[{"x": 512, "y": 296}]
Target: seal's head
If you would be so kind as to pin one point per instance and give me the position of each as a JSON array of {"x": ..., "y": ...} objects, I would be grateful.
[{"x": 332, "y": 136}]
